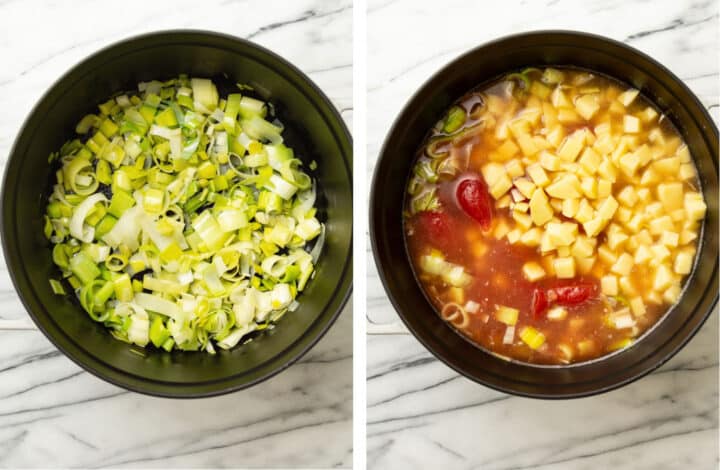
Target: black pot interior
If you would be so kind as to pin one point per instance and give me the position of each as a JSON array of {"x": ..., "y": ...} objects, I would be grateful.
[
  {"x": 313, "y": 129},
  {"x": 422, "y": 112}
]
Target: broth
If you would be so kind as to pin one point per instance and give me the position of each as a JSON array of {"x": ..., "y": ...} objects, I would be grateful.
[{"x": 553, "y": 216}]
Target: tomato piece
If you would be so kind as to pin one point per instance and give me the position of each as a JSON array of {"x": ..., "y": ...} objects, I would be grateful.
[
  {"x": 539, "y": 302},
  {"x": 573, "y": 294},
  {"x": 474, "y": 198}
]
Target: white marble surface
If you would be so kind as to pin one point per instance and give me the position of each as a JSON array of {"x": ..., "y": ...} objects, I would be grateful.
[
  {"x": 54, "y": 414},
  {"x": 421, "y": 414}
]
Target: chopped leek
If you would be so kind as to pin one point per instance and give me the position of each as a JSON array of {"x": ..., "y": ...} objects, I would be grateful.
[{"x": 183, "y": 220}]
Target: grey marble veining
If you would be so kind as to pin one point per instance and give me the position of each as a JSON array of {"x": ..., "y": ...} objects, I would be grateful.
[
  {"x": 54, "y": 414},
  {"x": 421, "y": 414}
]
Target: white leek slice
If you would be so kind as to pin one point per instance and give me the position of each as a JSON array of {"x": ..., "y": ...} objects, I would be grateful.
[
  {"x": 77, "y": 222},
  {"x": 159, "y": 305}
]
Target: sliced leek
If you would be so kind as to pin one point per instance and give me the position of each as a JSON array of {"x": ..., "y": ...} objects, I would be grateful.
[{"x": 181, "y": 219}]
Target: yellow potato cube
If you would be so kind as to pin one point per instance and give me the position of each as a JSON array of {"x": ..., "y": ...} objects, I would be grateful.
[
  {"x": 556, "y": 204},
  {"x": 503, "y": 202},
  {"x": 663, "y": 278},
  {"x": 615, "y": 240},
  {"x": 626, "y": 286},
  {"x": 606, "y": 255},
  {"x": 623, "y": 214},
  {"x": 585, "y": 212},
  {"x": 513, "y": 236},
  {"x": 525, "y": 186},
  {"x": 643, "y": 254},
  {"x": 671, "y": 239},
  {"x": 521, "y": 206},
  {"x": 629, "y": 163},
  {"x": 637, "y": 306},
  {"x": 528, "y": 146},
  {"x": 631, "y": 124},
  {"x": 589, "y": 187},
  {"x": 644, "y": 154},
  {"x": 661, "y": 224},
  {"x": 649, "y": 177},
  {"x": 587, "y": 105},
  {"x": 571, "y": 147},
  {"x": 563, "y": 251},
  {"x": 531, "y": 237},
  {"x": 506, "y": 315},
  {"x": 493, "y": 172},
  {"x": 624, "y": 264},
  {"x": 540, "y": 209},
  {"x": 667, "y": 166},
  {"x": 654, "y": 209},
  {"x": 659, "y": 254},
  {"x": 538, "y": 175},
  {"x": 549, "y": 161},
  {"x": 695, "y": 206},
  {"x": 564, "y": 267},
  {"x": 687, "y": 236},
  {"x": 594, "y": 226},
  {"x": 636, "y": 223},
  {"x": 604, "y": 188},
  {"x": 643, "y": 194},
  {"x": 546, "y": 245},
  {"x": 671, "y": 195},
  {"x": 514, "y": 168},
  {"x": 540, "y": 90},
  {"x": 648, "y": 114},
  {"x": 627, "y": 196},
  {"x": 590, "y": 160},
  {"x": 559, "y": 99},
  {"x": 507, "y": 149},
  {"x": 604, "y": 144},
  {"x": 678, "y": 215},
  {"x": 523, "y": 220},
  {"x": 565, "y": 187},
  {"x": 532, "y": 337},
  {"x": 517, "y": 196},
  {"x": 585, "y": 265},
  {"x": 570, "y": 207},
  {"x": 683, "y": 263},
  {"x": 501, "y": 187},
  {"x": 627, "y": 97},
  {"x": 687, "y": 171},
  {"x": 501, "y": 229},
  {"x": 583, "y": 247},
  {"x": 608, "y": 170},
  {"x": 672, "y": 293},
  {"x": 609, "y": 285},
  {"x": 607, "y": 208},
  {"x": 533, "y": 271}
]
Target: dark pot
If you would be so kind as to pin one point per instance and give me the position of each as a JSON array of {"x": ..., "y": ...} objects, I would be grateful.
[
  {"x": 484, "y": 64},
  {"x": 314, "y": 129}
]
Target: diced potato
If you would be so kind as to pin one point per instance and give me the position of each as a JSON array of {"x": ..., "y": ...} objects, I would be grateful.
[
  {"x": 653, "y": 297},
  {"x": 493, "y": 172},
  {"x": 683, "y": 263},
  {"x": 507, "y": 149},
  {"x": 564, "y": 268},
  {"x": 523, "y": 220},
  {"x": 636, "y": 223},
  {"x": 457, "y": 295},
  {"x": 587, "y": 105},
  {"x": 531, "y": 237},
  {"x": 671, "y": 239},
  {"x": 627, "y": 196},
  {"x": 629, "y": 163},
  {"x": 503, "y": 202},
  {"x": 563, "y": 251},
  {"x": 659, "y": 254},
  {"x": 549, "y": 161},
  {"x": 585, "y": 265},
  {"x": 672, "y": 293},
  {"x": 525, "y": 186},
  {"x": 521, "y": 207},
  {"x": 501, "y": 229},
  {"x": 604, "y": 188},
  {"x": 513, "y": 236},
  {"x": 540, "y": 90},
  {"x": 604, "y": 144},
  {"x": 631, "y": 124},
  {"x": 607, "y": 208},
  {"x": 517, "y": 196},
  {"x": 506, "y": 315},
  {"x": 648, "y": 114},
  {"x": 607, "y": 255},
  {"x": 583, "y": 247},
  {"x": 678, "y": 215},
  {"x": 608, "y": 170},
  {"x": 594, "y": 226},
  {"x": 514, "y": 168},
  {"x": 615, "y": 240},
  {"x": 571, "y": 147},
  {"x": 671, "y": 195},
  {"x": 667, "y": 166},
  {"x": 627, "y": 97},
  {"x": 687, "y": 172},
  {"x": 624, "y": 265},
  {"x": 570, "y": 207},
  {"x": 695, "y": 206},
  {"x": 637, "y": 306},
  {"x": 609, "y": 285},
  {"x": 589, "y": 187},
  {"x": 533, "y": 271},
  {"x": 654, "y": 209},
  {"x": 565, "y": 187},
  {"x": 663, "y": 278},
  {"x": 557, "y": 313},
  {"x": 501, "y": 186},
  {"x": 532, "y": 337},
  {"x": 687, "y": 236},
  {"x": 649, "y": 177},
  {"x": 538, "y": 175},
  {"x": 562, "y": 234},
  {"x": 559, "y": 99},
  {"x": 626, "y": 286},
  {"x": 643, "y": 254},
  {"x": 586, "y": 347},
  {"x": 527, "y": 145},
  {"x": 585, "y": 212},
  {"x": 661, "y": 224},
  {"x": 590, "y": 160},
  {"x": 540, "y": 209}
]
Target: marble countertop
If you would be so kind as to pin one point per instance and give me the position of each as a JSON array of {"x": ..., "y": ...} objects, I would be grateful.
[
  {"x": 54, "y": 414},
  {"x": 421, "y": 414}
]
